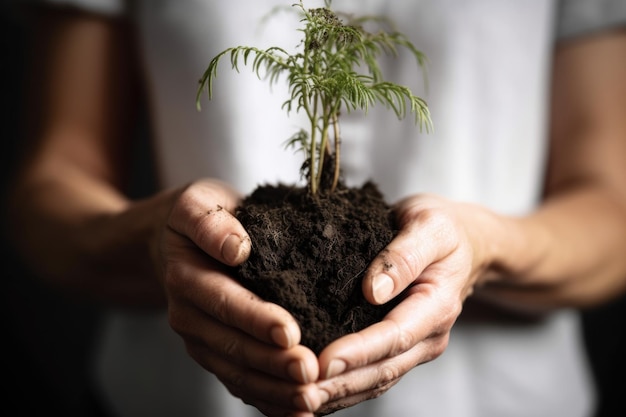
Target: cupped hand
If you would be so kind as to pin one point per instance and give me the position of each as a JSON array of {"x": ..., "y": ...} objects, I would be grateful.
[
  {"x": 433, "y": 264},
  {"x": 251, "y": 345}
]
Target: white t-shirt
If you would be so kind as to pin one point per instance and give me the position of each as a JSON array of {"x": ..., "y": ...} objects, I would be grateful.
[{"x": 488, "y": 75}]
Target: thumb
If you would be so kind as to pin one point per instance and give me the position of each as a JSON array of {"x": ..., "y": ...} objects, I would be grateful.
[
  {"x": 203, "y": 213},
  {"x": 424, "y": 238}
]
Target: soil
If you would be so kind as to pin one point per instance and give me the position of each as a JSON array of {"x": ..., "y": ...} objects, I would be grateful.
[{"x": 309, "y": 255}]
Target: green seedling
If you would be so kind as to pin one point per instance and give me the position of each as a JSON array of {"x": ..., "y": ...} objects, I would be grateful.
[{"x": 335, "y": 69}]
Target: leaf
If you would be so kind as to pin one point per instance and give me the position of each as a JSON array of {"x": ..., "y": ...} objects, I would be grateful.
[{"x": 337, "y": 69}]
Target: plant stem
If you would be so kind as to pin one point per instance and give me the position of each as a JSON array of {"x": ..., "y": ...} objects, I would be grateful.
[
  {"x": 337, "y": 151},
  {"x": 312, "y": 168},
  {"x": 323, "y": 80},
  {"x": 323, "y": 146}
]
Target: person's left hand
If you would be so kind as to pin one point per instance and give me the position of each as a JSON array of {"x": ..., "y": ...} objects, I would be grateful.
[{"x": 437, "y": 258}]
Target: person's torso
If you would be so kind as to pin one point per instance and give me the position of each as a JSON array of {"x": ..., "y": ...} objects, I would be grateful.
[{"x": 488, "y": 69}]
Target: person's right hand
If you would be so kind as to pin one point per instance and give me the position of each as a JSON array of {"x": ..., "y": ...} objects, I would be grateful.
[{"x": 252, "y": 346}]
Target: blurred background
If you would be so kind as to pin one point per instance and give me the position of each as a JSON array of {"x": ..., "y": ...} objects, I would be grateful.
[{"x": 49, "y": 338}]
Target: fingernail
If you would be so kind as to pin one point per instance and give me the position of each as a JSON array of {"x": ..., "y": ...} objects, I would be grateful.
[
  {"x": 231, "y": 249},
  {"x": 302, "y": 402},
  {"x": 296, "y": 370},
  {"x": 280, "y": 336},
  {"x": 335, "y": 367},
  {"x": 382, "y": 288},
  {"x": 324, "y": 396}
]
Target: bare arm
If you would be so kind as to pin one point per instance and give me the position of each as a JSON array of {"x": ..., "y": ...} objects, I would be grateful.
[
  {"x": 71, "y": 186},
  {"x": 73, "y": 222},
  {"x": 572, "y": 251}
]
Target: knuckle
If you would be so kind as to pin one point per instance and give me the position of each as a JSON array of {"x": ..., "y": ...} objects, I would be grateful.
[
  {"x": 231, "y": 348},
  {"x": 238, "y": 379},
  {"x": 172, "y": 274},
  {"x": 219, "y": 304},
  {"x": 339, "y": 390},
  {"x": 236, "y": 384},
  {"x": 440, "y": 345},
  {"x": 386, "y": 375},
  {"x": 409, "y": 264},
  {"x": 405, "y": 341},
  {"x": 455, "y": 311},
  {"x": 175, "y": 320},
  {"x": 448, "y": 314},
  {"x": 379, "y": 391},
  {"x": 402, "y": 266},
  {"x": 436, "y": 346},
  {"x": 186, "y": 198},
  {"x": 174, "y": 279},
  {"x": 408, "y": 260},
  {"x": 401, "y": 341},
  {"x": 195, "y": 211},
  {"x": 442, "y": 223}
]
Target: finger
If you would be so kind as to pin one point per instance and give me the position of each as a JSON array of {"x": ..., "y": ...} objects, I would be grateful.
[
  {"x": 272, "y": 410},
  {"x": 203, "y": 214},
  {"x": 297, "y": 364},
  {"x": 202, "y": 282},
  {"x": 425, "y": 236},
  {"x": 376, "y": 378},
  {"x": 348, "y": 401},
  {"x": 275, "y": 397},
  {"x": 423, "y": 314},
  {"x": 259, "y": 389}
]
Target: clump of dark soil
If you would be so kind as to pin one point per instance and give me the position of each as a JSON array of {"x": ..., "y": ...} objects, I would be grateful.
[{"x": 309, "y": 255}]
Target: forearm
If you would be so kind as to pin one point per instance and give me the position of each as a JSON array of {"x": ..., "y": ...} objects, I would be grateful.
[
  {"x": 569, "y": 253},
  {"x": 572, "y": 250},
  {"x": 70, "y": 220},
  {"x": 80, "y": 233}
]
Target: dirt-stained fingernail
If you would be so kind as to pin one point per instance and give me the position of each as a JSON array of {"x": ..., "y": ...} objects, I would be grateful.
[
  {"x": 296, "y": 370},
  {"x": 335, "y": 367},
  {"x": 232, "y": 249},
  {"x": 382, "y": 287}
]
